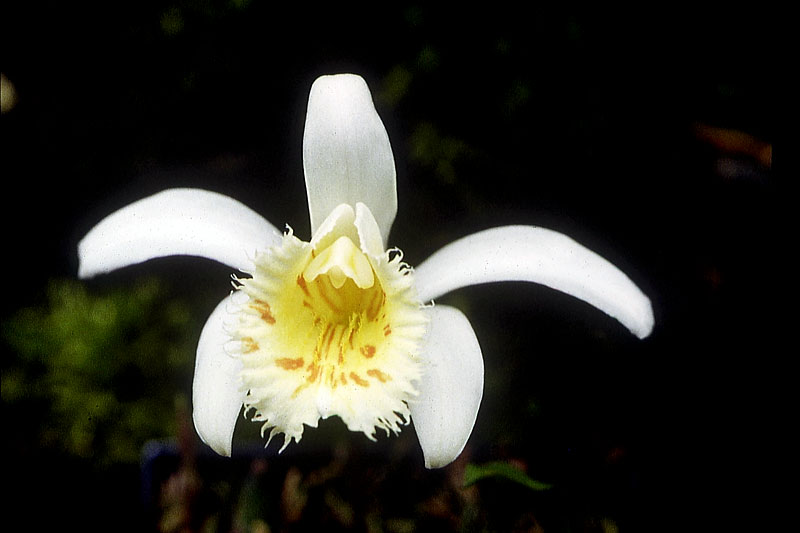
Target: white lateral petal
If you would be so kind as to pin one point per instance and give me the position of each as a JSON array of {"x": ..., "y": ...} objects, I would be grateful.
[
  {"x": 176, "y": 222},
  {"x": 216, "y": 396},
  {"x": 347, "y": 156},
  {"x": 527, "y": 253},
  {"x": 451, "y": 388}
]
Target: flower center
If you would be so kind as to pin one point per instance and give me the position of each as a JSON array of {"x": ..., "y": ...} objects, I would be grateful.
[{"x": 329, "y": 330}]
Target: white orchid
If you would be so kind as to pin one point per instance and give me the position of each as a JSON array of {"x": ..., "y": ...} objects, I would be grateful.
[{"x": 340, "y": 325}]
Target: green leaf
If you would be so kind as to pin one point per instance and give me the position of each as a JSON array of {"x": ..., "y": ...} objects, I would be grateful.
[{"x": 474, "y": 473}]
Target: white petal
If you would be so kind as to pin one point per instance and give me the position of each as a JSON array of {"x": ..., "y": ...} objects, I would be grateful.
[
  {"x": 451, "y": 388},
  {"x": 527, "y": 253},
  {"x": 176, "y": 222},
  {"x": 347, "y": 156},
  {"x": 216, "y": 396}
]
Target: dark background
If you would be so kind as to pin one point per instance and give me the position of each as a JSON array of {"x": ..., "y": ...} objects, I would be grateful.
[{"x": 645, "y": 134}]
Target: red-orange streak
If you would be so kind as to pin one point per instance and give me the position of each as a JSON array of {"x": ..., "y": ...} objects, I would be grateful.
[
  {"x": 250, "y": 345},
  {"x": 324, "y": 295},
  {"x": 302, "y": 283},
  {"x": 263, "y": 308},
  {"x": 312, "y": 377},
  {"x": 330, "y": 339},
  {"x": 287, "y": 363},
  {"x": 359, "y": 380},
  {"x": 375, "y": 303},
  {"x": 380, "y": 376}
]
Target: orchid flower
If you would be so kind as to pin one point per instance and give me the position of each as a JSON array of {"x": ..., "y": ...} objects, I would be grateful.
[{"x": 340, "y": 325}]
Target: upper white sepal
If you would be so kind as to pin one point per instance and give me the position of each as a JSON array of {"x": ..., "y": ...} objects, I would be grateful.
[{"x": 347, "y": 157}]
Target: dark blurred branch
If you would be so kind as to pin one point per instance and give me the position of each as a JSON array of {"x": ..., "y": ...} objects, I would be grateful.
[{"x": 734, "y": 142}]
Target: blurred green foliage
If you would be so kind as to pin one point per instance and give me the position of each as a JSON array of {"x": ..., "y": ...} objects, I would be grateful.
[
  {"x": 440, "y": 153},
  {"x": 498, "y": 469},
  {"x": 103, "y": 368}
]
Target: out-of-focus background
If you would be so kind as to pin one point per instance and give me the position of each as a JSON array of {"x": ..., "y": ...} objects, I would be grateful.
[{"x": 645, "y": 134}]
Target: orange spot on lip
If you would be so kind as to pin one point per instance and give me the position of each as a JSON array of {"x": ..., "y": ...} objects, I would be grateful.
[
  {"x": 287, "y": 363},
  {"x": 387, "y": 330},
  {"x": 264, "y": 310},
  {"x": 368, "y": 351},
  {"x": 249, "y": 345},
  {"x": 380, "y": 376},
  {"x": 359, "y": 380},
  {"x": 314, "y": 369}
]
